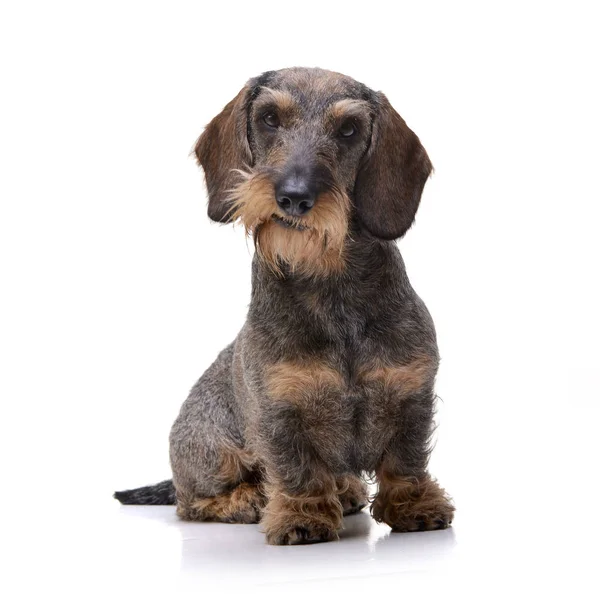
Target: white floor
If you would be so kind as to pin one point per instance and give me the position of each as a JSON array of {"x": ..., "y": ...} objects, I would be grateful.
[{"x": 146, "y": 552}]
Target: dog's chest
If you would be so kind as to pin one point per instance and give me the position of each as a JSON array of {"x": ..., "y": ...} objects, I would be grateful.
[
  {"x": 345, "y": 358},
  {"x": 348, "y": 414}
]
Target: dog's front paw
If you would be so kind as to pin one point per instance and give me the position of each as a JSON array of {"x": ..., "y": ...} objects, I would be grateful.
[
  {"x": 308, "y": 519},
  {"x": 301, "y": 533},
  {"x": 440, "y": 519},
  {"x": 408, "y": 504}
]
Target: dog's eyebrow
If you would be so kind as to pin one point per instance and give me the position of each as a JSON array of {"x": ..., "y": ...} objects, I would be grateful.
[
  {"x": 282, "y": 98},
  {"x": 349, "y": 107}
]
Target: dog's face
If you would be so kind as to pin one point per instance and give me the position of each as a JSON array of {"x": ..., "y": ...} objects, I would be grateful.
[{"x": 300, "y": 152}]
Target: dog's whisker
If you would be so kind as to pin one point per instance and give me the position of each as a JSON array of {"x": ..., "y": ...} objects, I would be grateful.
[{"x": 245, "y": 173}]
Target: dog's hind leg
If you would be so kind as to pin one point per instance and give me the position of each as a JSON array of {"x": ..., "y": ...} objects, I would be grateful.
[
  {"x": 231, "y": 493},
  {"x": 215, "y": 476},
  {"x": 243, "y": 504}
]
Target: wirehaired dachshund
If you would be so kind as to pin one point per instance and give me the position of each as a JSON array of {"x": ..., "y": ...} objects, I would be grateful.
[{"x": 331, "y": 378}]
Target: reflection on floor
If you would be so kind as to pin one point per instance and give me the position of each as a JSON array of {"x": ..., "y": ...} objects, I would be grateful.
[{"x": 213, "y": 554}]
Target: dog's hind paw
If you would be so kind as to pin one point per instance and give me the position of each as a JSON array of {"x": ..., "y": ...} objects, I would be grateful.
[{"x": 354, "y": 496}]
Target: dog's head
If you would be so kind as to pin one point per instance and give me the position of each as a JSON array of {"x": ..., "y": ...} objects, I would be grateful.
[{"x": 298, "y": 153}]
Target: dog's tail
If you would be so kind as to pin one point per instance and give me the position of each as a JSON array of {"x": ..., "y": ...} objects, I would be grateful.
[{"x": 161, "y": 493}]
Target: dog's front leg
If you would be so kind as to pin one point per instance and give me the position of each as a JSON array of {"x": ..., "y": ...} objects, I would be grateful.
[
  {"x": 303, "y": 503},
  {"x": 409, "y": 499}
]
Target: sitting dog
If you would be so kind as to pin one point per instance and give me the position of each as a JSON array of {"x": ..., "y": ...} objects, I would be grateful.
[{"x": 332, "y": 375}]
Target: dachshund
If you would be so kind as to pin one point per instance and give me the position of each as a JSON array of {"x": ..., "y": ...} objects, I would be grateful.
[{"x": 331, "y": 378}]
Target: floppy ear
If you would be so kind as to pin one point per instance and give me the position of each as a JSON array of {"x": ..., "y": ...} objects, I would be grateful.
[
  {"x": 222, "y": 147},
  {"x": 391, "y": 179}
]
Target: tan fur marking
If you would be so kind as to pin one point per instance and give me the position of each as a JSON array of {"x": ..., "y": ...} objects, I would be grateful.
[
  {"x": 403, "y": 379},
  {"x": 411, "y": 504},
  {"x": 244, "y": 504},
  {"x": 349, "y": 107},
  {"x": 281, "y": 98},
  {"x": 296, "y": 380},
  {"x": 236, "y": 465},
  {"x": 317, "y": 249},
  {"x": 253, "y": 200},
  {"x": 314, "y": 516}
]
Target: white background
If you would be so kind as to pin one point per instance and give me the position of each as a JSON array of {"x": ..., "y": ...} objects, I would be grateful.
[{"x": 117, "y": 291}]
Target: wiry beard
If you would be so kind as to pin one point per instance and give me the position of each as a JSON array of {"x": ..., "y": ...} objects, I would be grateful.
[{"x": 310, "y": 245}]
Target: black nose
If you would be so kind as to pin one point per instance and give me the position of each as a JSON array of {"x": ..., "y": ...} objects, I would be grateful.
[{"x": 295, "y": 195}]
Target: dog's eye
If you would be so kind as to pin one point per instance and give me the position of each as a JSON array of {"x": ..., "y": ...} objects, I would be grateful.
[
  {"x": 348, "y": 129},
  {"x": 271, "y": 119}
]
